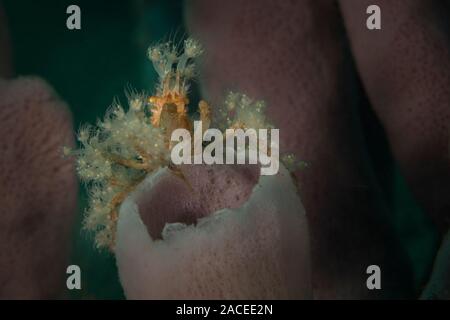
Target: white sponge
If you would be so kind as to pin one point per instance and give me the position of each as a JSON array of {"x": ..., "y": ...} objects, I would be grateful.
[{"x": 256, "y": 251}]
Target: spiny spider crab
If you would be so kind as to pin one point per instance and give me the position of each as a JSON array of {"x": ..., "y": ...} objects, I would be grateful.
[{"x": 117, "y": 154}]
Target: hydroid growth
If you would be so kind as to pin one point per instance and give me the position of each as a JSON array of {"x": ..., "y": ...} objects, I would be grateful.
[{"x": 129, "y": 143}]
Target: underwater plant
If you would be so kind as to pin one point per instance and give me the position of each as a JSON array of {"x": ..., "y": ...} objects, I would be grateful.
[{"x": 118, "y": 153}]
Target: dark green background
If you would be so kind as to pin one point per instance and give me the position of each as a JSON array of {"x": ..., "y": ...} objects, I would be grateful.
[{"x": 91, "y": 66}]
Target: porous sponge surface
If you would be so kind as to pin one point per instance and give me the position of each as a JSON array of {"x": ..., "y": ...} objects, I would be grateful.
[{"x": 256, "y": 251}]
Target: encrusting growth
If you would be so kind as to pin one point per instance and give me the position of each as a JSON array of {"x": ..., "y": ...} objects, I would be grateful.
[
  {"x": 117, "y": 154},
  {"x": 171, "y": 96}
]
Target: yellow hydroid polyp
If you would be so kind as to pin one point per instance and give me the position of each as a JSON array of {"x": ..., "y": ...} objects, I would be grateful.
[{"x": 128, "y": 144}]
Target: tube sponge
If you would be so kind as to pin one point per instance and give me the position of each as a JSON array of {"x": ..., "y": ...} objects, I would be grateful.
[
  {"x": 38, "y": 189},
  {"x": 439, "y": 285},
  {"x": 258, "y": 250}
]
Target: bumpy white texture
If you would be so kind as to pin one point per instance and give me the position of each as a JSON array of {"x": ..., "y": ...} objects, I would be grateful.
[{"x": 257, "y": 251}]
